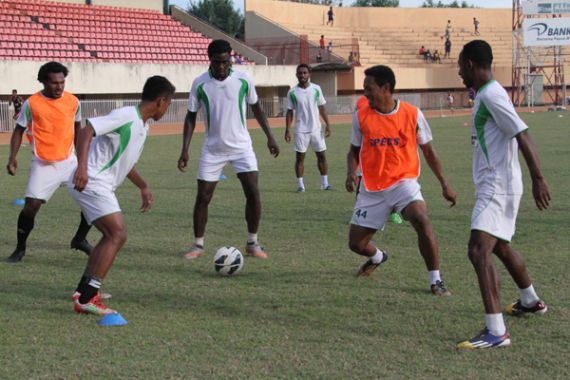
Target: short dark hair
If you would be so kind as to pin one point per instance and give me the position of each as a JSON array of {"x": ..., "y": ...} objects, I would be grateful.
[
  {"x": 301, "y": 65},
  {"x": 157, "y": 86},
  {"x": 478, "y": 52},
  {"x": 219, "y": 47},
  {"x": 382, "y": 75},
  {"x": 51, "y": 67}
]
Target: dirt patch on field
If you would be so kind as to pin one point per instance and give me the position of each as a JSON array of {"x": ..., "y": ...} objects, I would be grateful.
[{"x": 279, "y": 122}]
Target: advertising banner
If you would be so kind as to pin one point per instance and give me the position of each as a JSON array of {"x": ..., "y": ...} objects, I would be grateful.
[
  {"x": 535, "y": 7},
  {"x": 546, "y": 31}
]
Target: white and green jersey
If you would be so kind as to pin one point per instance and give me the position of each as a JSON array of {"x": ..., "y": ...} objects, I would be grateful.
[
  {"x": 118, "y": 144},
  {"x": 495, "y": 124},
  {"x": 305, "y": 102},
  {"x": 225, "y": 105}
]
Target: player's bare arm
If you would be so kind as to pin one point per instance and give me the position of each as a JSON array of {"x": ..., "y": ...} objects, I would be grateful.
[
  {"x": 77, "y": 128},
  {"x": 189, "y": 126},
  {"x": 351, "y": 166},
  {"x": 540, "y": 190},
  {"x": 264, "y": 124},
  {"x": 146, "y": 195},
  {"x": 83, "y": 140},
  {"x": 288, "y": 122},
  {"x": 323, "y": 113},
  {"x": 15, "y": 143},
  {"x": 435, "y": 165}
]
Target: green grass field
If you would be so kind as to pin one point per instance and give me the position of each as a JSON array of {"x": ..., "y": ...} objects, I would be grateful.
[{"x": 301, "y": 313}]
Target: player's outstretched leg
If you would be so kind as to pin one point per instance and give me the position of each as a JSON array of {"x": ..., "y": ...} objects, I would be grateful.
[
  {"x": 79, "y": 241},
  {"x": 529, "y": 302},
  {"x": 25, "y": 226},
  {"x": 360, "y": 242},
  {"x": 416, "y": 213}
]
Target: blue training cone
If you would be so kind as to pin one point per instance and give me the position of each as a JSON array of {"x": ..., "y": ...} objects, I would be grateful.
[
  {"x": 19, "y": 202},
  {"x": 222, "y": 176},
  {"x": 114, "y": 319}
]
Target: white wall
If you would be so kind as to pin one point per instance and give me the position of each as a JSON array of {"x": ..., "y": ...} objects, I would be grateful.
[{"x": 118, "y": 78}]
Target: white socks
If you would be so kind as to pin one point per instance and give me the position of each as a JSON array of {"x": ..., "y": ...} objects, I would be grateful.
[
  {"x": 324, "y": 181},
  {"x": 377, "y": 258},
  {"x": 199, "y": 241},
  {"x": 529, "y": 297},
  {"x": 300, "y": 182},
  {"x": 251, "y": 238},
  {"x": 495, "y": 324},
  {"x": 434, "y": 276}
]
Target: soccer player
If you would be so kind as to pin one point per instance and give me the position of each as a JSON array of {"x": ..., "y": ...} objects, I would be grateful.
[
  {"x": 385, "y": 135},
  {"x": 224, "y": 93},
  {"x": 497, "y": 135},
  {"x": 103, "y": 164},
  {"x": 51, "y": 118},
  {"x": 307, "y": 101}
]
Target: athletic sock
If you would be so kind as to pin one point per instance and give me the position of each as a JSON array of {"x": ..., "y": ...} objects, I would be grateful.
[
  {"x": 251, "y": 238},
  {"x": 434, "y": 276},
  {"x": 300, "y": 182},
  {"x": 88, "y": 287},
  {"x": 529, "y": 297},
  {"x": 324, "y": 181},
  {"x": 82, "y": 230},
  {"x": 495, "y": 324},
  {"x": 25, "y": 226},
  {"x": 199, "y": 241},
  {"x": 378, "y": 256}
]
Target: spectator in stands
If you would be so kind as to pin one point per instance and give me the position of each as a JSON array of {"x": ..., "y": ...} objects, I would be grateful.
[
  {"x": 422, "y": 51},
  {"x": 330, "y": 14},
  {"x": 224, "y": 94},
  {"x": 471, "y": 95},
  {"x": 436, "y": 58},
  {"x": 239, "y": 59},
  {"x": 427, "y": 56},
  {"x": 329, "y": 47},
  {"x": 351, "y": 57},
  {"x": 55, "y": 115},
  {"x": 448, "y": 30},
  {"x": 17, "y": 101},
  {"x": 475, "y": 26},
  {"x": 447, "y": 48},
  {"x": 319, "y": 56},
  {"x": 322, "y": 43}
]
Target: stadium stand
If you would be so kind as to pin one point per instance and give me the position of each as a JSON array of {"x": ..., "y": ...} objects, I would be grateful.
[{"x": 40, "y": 30}]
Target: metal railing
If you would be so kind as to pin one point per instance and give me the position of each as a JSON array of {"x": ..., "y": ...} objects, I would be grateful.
[{"x": 273, "y": 107}]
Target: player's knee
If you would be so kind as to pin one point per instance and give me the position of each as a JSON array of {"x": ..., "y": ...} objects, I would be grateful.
[
  {"x": 356, "y": 246},
  {"x": 119, "y": 235},
  {"x": 477, "y": 255}
]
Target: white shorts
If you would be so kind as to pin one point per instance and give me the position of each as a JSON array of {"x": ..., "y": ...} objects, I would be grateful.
[
  {"x": 211, "y": 166},
  {"x": 316, "y": 139},
  {"x": 46, "y": 177},
  {"x": 496, "y": 215},
  {"x": 372, "y": 209},
  {"x": 95, "y": 202}
]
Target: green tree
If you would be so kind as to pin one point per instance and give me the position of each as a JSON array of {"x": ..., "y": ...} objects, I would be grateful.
[
  {"x": 221, "y": 14},
  {"x": 376, "y": 3},
  {"x": 440, "y": 4}
]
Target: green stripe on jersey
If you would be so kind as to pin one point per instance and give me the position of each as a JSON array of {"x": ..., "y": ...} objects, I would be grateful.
[
  {"x": 204, "y": 99},
  {"x": 124, "y": 131},
  {"x": 242, "y": 91},
  {"x": 481, "y": 118},
  {"x": 317, "y": 96},
  {"x": 293, "y": 99}
]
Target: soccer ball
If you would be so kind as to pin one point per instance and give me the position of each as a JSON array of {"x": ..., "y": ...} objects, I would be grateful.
[{"x": 228, "y": 261}]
